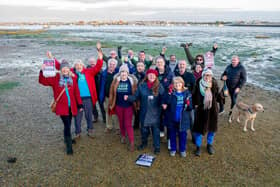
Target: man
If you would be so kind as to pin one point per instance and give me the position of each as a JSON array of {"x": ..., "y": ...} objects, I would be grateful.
[
  {"x": 113, "y": 55},
  {"x": 142, "y": 58},
  {"x": 235, "y": 76},
  {"x": 172, "y": 62},
  {"x": 187, "y": 76},
  {"x": 92, "y": 63},
  {"x": 105, "y": 83}
]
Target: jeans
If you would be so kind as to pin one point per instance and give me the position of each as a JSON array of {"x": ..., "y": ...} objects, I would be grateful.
[
  {"x": 87, "y": 103},
  {"x": 198, "y": 138}
]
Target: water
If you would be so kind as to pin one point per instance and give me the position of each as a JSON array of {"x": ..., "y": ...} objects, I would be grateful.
[{"x": 261, "y": 57}]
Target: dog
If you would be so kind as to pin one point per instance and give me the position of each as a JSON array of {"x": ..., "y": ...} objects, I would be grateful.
[{"x": 249, "y": 113}]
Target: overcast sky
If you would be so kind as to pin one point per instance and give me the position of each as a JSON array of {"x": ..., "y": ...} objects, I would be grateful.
[{"x": 173, "y": 10}]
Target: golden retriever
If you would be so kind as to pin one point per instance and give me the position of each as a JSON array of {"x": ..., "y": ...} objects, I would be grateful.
[{"x": 249, "y": 113}]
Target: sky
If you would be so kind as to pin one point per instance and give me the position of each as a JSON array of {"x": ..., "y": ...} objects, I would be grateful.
[{"x": 168, "y": 10}]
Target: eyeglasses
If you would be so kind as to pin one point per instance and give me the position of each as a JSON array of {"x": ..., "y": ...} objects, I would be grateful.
[{"x": 199, "y": 59}]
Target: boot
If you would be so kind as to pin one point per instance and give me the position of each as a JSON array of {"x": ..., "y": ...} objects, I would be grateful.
[
  {"x": 210, "y": 149},
  {"x": 69, "y": 149},
  {"x": 142, "y": 146},
  {"x": 197, "y": 151}
]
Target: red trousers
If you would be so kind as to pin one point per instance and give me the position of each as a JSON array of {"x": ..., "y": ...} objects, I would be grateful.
[{"x": 125, "y": 121}]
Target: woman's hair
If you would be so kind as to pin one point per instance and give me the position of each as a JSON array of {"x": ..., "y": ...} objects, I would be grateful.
[
  {"x": 179, "y": 79},
  {"x": 155, "y": 87}
]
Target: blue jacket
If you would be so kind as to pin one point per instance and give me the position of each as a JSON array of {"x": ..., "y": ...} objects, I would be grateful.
[
  {"x": 166, "y": 78},
  {"x": 150, "y": 108},
  {"x": 103, "y": 84},
  {"x": 236, "y": 76},
  {"x": 185, "y": 118}
]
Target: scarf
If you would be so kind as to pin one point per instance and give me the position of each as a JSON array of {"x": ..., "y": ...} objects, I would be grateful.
[
  {"x": 197, "y": 75},
  {"x": 205, "y": 90},
  {"x": 68, "y": 78},
  {"x": 150, "y": 84}
]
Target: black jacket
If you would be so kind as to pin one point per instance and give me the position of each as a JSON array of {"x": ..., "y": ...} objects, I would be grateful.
[{"x": 236, "y": 76}]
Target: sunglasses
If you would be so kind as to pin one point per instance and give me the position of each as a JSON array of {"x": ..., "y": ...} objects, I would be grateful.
[{"x": 199, "y": 59}]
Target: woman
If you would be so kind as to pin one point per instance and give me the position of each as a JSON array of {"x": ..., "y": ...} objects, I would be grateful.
[
  {"x": 204, "y": 100},
  {"x": 150, "y": 94},
  {"x": 123, "y": 84},
  {"x": 66, "y": 84}
]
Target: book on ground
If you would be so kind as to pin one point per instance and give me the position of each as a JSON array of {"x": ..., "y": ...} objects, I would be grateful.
[{"x": 145, "y": 160}]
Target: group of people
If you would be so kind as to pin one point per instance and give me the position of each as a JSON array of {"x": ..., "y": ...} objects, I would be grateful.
[{"x": 158, "y": 95}]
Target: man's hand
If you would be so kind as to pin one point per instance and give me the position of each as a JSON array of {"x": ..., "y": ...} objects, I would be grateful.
[
  {"x": 224, "y": 78},
  {"x": 98, "y": 46},
  {"x": 100, "y": 54},
  {"x": 164, "y": 106},
  {"x": 163, "y": 50},
  {"x": 237, "y": 90}
]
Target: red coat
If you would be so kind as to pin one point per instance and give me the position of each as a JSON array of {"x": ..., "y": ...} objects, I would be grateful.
[
  {"x": 89, "y": 74},
  {"x": 62, "y": 105}
]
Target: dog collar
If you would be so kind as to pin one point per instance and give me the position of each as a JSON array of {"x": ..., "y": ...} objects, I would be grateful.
[{"x": 250, "y": 111}]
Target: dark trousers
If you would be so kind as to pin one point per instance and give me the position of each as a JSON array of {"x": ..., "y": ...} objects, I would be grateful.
[
  {"x": 136, "y": 119},
  {"x": 233, "y": 97},
  {"x": 95, "y": 111},
  {"x": 67, "y": 124},
  {"x": 145, "y": 132}
]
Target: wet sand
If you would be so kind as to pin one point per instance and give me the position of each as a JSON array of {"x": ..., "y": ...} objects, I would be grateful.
[{"x": 32, "y": 134}]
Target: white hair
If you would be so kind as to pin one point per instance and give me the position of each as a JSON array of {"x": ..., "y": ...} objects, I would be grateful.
[{"x": 111, "y": 60}]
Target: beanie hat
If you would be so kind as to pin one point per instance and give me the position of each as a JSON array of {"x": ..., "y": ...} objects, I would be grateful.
[
  {"x": 207, "y": 71},
  {"x": 124, "y": 67},
  {"x": 63, "y": 64},
  {"x": 152, "y": 71}
]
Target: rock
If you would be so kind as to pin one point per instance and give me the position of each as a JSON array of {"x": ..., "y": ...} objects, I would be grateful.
[{"x": 11, "y": 159}]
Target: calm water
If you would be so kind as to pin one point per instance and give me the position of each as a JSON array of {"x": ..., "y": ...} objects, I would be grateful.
[{"x": 261, "y": 57}]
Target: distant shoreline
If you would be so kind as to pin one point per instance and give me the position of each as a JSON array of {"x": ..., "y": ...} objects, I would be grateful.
[{"x": 145, "y": 23}]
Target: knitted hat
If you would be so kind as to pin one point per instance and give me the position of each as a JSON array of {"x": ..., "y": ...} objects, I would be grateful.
[
  {"x": 124, "y": 67},
  {"x": 152, "y": 71},
  {"x": 64, "y": 64},
  {"x": 207, "y": 71}
]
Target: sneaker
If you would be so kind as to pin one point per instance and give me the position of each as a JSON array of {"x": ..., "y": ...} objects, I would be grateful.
[
  {"x": 168, "y": 144},
  {"x": 107, "y": 130},
  {"x": 77, "y": 136},
  {"x": 161, "y": 134},
  {"x": 183, "y": 154},
  {"x": 91, "y": 133},
  {"x": 172, "y": 153},
  {"x": 197, "y": 151},
  {"x": 210, "y": 149},
  {"x": 123, "y": 140},
  {"x": 221, "y": 112},
  {"x": 141, "y": 147}
]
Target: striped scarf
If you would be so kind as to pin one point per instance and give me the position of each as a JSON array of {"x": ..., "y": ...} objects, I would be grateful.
[{"x": 205, "y": 90}]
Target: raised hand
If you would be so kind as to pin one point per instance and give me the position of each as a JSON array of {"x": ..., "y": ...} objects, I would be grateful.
[
  {"x": 100, "y": 54},
  {"x": 215, "y": 46},
  {"x": 98, "y": 45},
  {"x": 43, "y": 66},
  {"x": 49, "y": 54},
  {"x": 150, "y": 58},
  {"x": 163, "y": 50}
]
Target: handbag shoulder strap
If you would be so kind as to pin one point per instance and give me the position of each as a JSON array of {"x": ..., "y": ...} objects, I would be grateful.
[{"x": 57, "y": 99}]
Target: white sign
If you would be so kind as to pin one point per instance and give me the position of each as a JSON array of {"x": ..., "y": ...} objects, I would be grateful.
[
  {"x": 209, "y": 60},
  {"x": 49, "y": 70}
]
